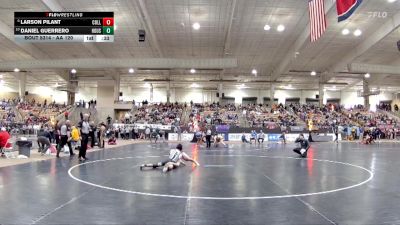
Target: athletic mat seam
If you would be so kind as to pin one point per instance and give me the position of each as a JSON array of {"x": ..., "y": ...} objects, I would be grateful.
[
  {"x": 309, "y": 206},
  {"x": 35, "y": 221}
]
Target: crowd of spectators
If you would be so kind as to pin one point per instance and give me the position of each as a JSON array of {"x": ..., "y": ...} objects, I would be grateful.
[
  {"x": 351, "y": 123},
  {"x": 258, "y": 115},
  {"x": 203, "y": 115},
  {"x": 89, "y": 104},
  {"x": 34, "y": 113},
  {"x": 354, "y": 123},
  {"x": 7, "y": 114},
  {"x": 380, "y": 125},
  {"x": 163, "y": 113},
  {"x": 385, "y": 106},
  {"x": 316, "y": 117},
  {"x": 69, "y": 136},
  {"x": 215, "y": 114}
]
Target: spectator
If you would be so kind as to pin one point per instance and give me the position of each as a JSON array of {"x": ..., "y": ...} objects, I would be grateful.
[
  {"x": 261, "y": 137},
  {"x": 244, "y": 140},
  {"x": 85, "y": 130},
  {"x": 102, "y": 135},
  {"x": 65, "y": 131},
  {"x": 75, "y": 136},
  {"x": 4, "y": 138}
]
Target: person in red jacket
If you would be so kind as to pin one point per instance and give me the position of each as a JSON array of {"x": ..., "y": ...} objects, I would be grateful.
[
  {"x": 4, "y": 137},
  {"x": 66, "y": 114}
]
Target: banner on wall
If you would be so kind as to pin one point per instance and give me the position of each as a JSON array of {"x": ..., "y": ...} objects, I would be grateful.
[
  {"x": 316, "y": 137},
  {"x": 297, "y": 128},
  {"x": 238, "y": 137},
  {"x": 270, "y": 125},
  {"x": 222, "y": 128},
  {"x": 142, "y": 126},
  {"x": 293, "y": 137},
  {"x": 184, "y": 136},
  {"x": 273, "y": 137},
  {"x": 270, "y": 137}
]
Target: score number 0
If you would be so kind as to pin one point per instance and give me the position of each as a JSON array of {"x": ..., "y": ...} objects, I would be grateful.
[{"x": 108, "y": 22}]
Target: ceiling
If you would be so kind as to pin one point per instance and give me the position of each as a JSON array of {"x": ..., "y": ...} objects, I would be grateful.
[{"x": 229, "y": 29}]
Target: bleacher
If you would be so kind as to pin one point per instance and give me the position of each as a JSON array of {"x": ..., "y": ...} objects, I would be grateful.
[
  {"x": 157, "y": 114},
  {"x": 32, "y": 112},
  {"x": 261, "y": 116}
]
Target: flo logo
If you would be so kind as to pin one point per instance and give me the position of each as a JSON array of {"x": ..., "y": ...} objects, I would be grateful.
[{"x": 377, "y": 15}]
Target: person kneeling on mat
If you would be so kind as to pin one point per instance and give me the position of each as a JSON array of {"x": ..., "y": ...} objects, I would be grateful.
[
  {"x": 154, "y": 136},
  {"x": 304, "y": 146},
  {"x": 112, "y": 140},
  {"x": 174, "y": 160},
  {"x": 219, "y": 139}
]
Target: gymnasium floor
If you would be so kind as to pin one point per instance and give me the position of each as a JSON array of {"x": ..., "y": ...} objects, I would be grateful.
[{"x": 346, "y": 183}]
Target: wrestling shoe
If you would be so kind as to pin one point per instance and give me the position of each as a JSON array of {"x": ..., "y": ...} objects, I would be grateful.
[{"x": 303, "y": 153}]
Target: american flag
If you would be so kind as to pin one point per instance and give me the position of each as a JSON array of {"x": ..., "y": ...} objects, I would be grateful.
[{"x": 317, "y": 19}]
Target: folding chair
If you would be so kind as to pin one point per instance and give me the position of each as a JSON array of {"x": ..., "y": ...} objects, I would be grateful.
[{"x": 8, "y": 150}]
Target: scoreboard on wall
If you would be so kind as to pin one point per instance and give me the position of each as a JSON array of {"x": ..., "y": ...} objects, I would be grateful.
[{"x": 64, "y": 26}]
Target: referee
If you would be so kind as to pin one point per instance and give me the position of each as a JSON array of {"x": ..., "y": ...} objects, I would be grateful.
[{"x": 85, "y": 130}]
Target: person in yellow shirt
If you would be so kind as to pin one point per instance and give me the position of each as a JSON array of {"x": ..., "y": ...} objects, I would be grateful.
[{"x": 75, "y": 136}]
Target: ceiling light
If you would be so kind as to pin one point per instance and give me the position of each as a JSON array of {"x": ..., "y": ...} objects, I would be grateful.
[
  {"x": 194, "y": 85},
  {"x": 2, "y": 81},
  {"x": 313, "y": 73},
  {"x": 131, "y": 70},
  {"x": 357, "y": 32},
  {"x": 280, "y": 28},
  {"x": 390, "y": 1},
  {"x": 1, "y": 76},
  {"x": 146, "y": 85},
  {"x": 16, "y": 70},
  {"x": 196, "y": 26},
  {"x": 73, "y": 71},
  {"x": 345, "y": 31},
  {"x": 192, "y": 71},
  {"x": 254, "y": 72},
  {"x": 367, "y": 75},
  {"x": 334, "y": 87},
  {"x": 241, "y": 86},
  {"x": 267, "y": 27},
  {"x": 289, "y": 85}
]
